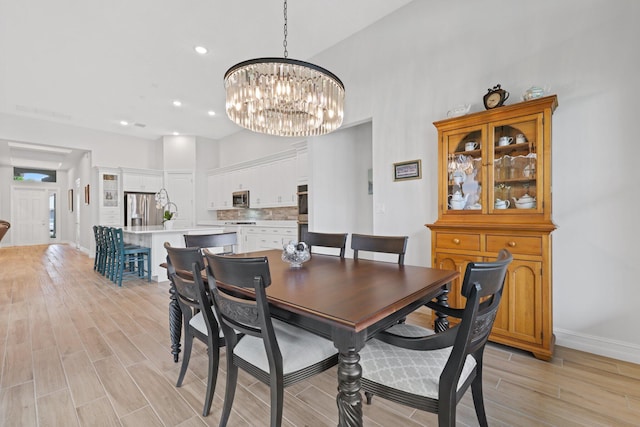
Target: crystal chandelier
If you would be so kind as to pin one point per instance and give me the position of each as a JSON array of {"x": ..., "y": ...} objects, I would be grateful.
[{"x": 284, "y": 97}]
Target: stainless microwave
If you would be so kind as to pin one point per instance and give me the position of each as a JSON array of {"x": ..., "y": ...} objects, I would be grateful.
[{"x": 240, "y": 199}]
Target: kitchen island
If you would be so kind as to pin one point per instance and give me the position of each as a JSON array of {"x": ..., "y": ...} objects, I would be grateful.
[{"x": 154, "y": 236}]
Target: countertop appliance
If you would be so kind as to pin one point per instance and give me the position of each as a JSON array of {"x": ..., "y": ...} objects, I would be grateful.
[
  {"x": 240, "y": 199},
  {"x": 140, "y": 209}
]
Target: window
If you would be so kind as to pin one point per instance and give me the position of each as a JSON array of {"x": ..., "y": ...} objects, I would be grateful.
[
  {"x": 52, "y": 215},
  {"x": 36, "y": 175}
]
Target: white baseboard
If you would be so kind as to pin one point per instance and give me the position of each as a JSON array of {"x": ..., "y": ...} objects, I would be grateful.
[{"x": 597, "y": 345}]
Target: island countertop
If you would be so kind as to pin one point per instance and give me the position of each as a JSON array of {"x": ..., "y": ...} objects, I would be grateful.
[
  {"x": 155, "y": 236},
  {"x": 159, "y": 229}
]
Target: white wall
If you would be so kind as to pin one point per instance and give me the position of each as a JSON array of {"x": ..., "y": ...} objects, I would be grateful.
[
  {"x": 208, "y": 157},
  {"x": 338, "y": 182},
  {"x": 408, "y": 69},
  {"x": 108, "y": 149},
  {"x": 244, "y": 146}
]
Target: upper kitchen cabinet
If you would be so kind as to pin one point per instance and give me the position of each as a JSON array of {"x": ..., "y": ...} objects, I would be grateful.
[
  {"x": 143, "y": 181},
  {"x": 219, "y": 191},
  {"x": 271, "y": 182},
  {"x": 494, "y": 193}
]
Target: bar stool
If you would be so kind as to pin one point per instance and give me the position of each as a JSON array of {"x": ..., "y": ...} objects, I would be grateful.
[{"x": 129, "y": 260}]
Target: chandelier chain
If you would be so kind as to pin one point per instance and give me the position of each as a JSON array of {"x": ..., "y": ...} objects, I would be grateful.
[{"x": 284, "y": 43}]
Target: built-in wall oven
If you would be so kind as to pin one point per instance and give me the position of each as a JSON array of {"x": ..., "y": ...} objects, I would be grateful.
[{"x": 303, "y": 210}]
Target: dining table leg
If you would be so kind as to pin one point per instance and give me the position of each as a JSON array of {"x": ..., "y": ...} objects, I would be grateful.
[
  {"x": 441, "y": 323},
  {"x": 349, "y": 399},
  {"x": 175, "y": 322}
]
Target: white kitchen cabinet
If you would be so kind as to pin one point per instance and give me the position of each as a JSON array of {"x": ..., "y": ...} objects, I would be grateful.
[
  {"x": 145, "y": 182},
  {"x": 258, "y": 193},
  {"x": 286, "y": 185},
  {"x": 302, "y": 166},
  {"x": 260, "y": 238},
  {"x": 214, "y": 188},
  {"x": 271, "y": 183},
  {"x": 219, "y": 189}
]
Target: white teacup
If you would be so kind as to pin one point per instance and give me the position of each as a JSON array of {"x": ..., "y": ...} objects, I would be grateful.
[
  {"x": 471, "y": 146},
  {"x": 520, "y": 139},
  {"x": 505, "y": 140},
  {"x": 502, "y": 204}
]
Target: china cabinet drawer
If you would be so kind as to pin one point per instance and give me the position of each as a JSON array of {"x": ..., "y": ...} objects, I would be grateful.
[
  {"x": 469, "y": 242},
  {"x": 525, "y": 245}
]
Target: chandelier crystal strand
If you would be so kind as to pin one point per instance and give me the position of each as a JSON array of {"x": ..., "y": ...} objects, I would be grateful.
[{"x": 284, "y": 97}]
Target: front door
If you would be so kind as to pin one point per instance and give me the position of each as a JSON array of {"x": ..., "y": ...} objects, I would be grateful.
[{"x": 30, "y": 216}]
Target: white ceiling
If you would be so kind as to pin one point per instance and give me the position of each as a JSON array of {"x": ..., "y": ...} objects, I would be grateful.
[{"x": 93, "y": 63}]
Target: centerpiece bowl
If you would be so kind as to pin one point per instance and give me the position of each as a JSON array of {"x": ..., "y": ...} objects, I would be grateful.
[{"x": 295, "y": 253}]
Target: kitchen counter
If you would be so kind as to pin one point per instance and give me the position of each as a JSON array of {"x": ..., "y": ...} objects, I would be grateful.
[
  {"x": 260, "y": 223},
  {"x": 154, "y": 237},
  {"x": 153, "y": 229}
]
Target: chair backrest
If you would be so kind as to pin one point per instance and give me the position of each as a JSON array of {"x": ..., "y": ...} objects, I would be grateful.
[
  {"x": 219, "y": 240},
  {"x": 118, "y": 239},
  {"x": 109, "y": 239},
  {"x": 482, "y": 285},
  {"x": 246, "y": 315},
  {"x": 181, "y": 262},
  {"x": 327, "y": 240},
  {"x": 184, "y": 266},
  {"x": 384, "y": 244}
]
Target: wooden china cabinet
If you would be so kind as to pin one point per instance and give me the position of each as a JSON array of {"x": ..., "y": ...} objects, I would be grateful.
[{"x": 496, "y": 194}]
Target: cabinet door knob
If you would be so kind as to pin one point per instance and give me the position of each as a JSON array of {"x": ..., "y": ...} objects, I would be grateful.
[
  {"x": 456, "y": 241},
  {"x": 511, "y": 244}
]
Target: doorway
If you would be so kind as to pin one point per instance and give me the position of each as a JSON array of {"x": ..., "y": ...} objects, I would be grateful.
[{"x": 30, "y": 216}]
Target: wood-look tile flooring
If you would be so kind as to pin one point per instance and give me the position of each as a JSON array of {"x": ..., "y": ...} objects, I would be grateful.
[{"x": 77, "y": 350}]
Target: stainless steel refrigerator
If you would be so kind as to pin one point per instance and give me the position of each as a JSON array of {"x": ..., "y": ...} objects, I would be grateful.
[{"x": 140, "y": 209}]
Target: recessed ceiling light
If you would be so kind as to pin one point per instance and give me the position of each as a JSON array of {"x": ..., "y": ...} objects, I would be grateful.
[
  {"x": 176, "y": 133},
  {"x": 201, "y": 50},
  {"x": 177, "y": 103},
  {"x": 124, "y": 123},
  {"x": 211, "y": 113}
]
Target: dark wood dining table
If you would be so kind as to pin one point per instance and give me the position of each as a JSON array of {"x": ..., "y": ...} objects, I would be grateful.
[{"x": 349, "y": 301}]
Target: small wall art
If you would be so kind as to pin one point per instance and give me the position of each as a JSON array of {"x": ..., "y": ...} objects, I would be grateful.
[{"x": 407, "y": 170}]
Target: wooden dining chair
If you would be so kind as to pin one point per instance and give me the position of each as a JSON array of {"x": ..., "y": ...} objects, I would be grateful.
[
  {"x": 274, "y": 352},
  {"x": 226, "y": 241},
  {"x": 198, "y": 319},
  {"x": 384, "y": 244},
  {"x": 326, "y": 240},
  {"x": 413, "y": 366}
]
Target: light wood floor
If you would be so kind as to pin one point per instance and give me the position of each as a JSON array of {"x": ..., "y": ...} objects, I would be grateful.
[{"x": 76, "y": 350}]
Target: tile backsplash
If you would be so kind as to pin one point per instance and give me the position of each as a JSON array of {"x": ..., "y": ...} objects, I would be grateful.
[{"x": 288, "y": 213}]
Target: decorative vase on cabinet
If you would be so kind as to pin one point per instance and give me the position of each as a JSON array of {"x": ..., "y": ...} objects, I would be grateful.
[{"x": 499, "y": 163}]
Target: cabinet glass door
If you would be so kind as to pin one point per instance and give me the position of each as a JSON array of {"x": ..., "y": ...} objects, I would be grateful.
[
  {"x": 464, "y": 181},
  {"x": 517, "y": 146}
]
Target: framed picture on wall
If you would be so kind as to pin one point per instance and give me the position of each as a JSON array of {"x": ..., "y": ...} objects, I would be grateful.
[
  {"x": 407, "y": 170},
  {"x": 70, "y": 197}
]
